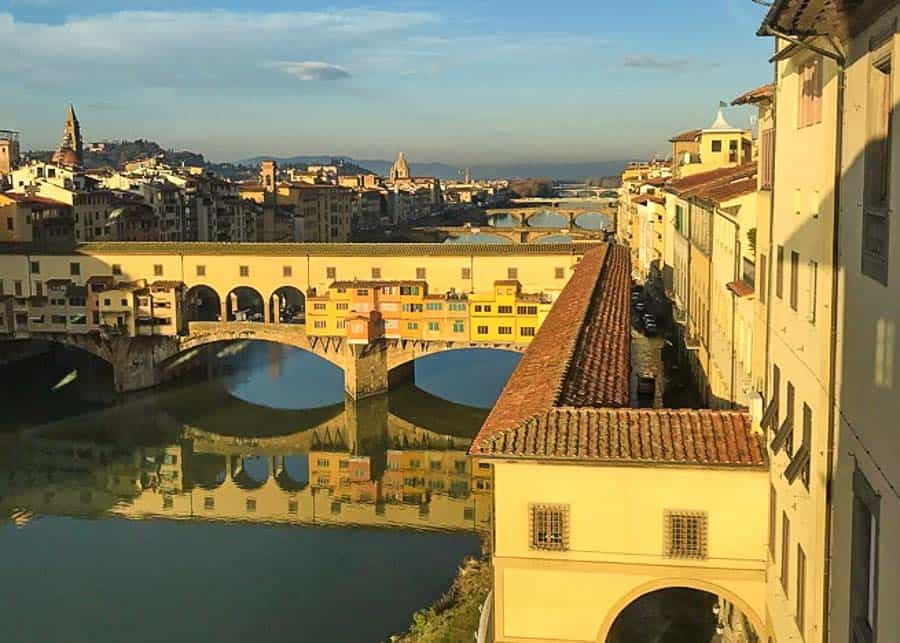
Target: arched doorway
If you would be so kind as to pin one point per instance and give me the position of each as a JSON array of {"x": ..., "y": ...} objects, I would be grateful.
[
  {"x": 250, "y": 471},
  {"x": 287, "y": 305},
  {"x": 680, "y": 613},
  {"x": 244, "y": 304},
  {"x": 202, "y": 303}
]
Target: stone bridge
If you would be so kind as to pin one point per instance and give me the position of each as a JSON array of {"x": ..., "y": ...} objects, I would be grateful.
[
  {"x": 143, "y": 362},
  {"x": 518, "y": 235},
  {"x": 569, "y": 215}
]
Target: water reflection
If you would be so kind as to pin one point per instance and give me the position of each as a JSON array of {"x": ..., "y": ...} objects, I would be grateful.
[
  {"x": 211, "y": 491},
  {"x": 593, "y": 221},
  {"x": 548, "y": 219},
  {"x": 555, "y": 238},
  {"x": 503, "y": 220}
]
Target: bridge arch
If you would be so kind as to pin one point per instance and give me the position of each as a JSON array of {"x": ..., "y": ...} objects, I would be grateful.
[
  {"x": 287, "y": 305},
  {"x": 90, "y": 344},
  {"x": 244, "y": 303},
  {"x": 405, "y": 357},
  {"x": 251, "y": 471},
  {"x": 679, "y": 583},
  {"x": 202, "y": 303}
]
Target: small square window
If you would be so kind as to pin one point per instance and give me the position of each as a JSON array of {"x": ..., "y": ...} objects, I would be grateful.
[
  {"x": 209, "y": 503},
  {"x": 287, "y": 271},
  {"x": 293, "y": 506},
  {"x": 331, "y": 272},
  {"x": 420, "y": 273},
  {"x": 201, "y": 271},
  {"x": 245, "y": 271},
  {"x": 116, "y": 269},
  {"x": 74, "y": 268},
  {"x": 167, "y": 502},
  {"x": 466, "y": 273},
  {"x": 376, "y": 273},
  {"x": 35, "y": 267},
  {"x": 685, "y": 534},
  {"x": 512, "y": 273},
  {"x": 559, "y": 272},
  {"x": 251, "y": 504},
  {"x": 717, "y": 146},
  {"x": 157, "y": 270},
  {"x": 548, "y": 527}
]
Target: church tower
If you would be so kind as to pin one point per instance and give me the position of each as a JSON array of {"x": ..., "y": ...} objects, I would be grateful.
[
  {"x": 400, "y": 169},
  {"x": 71, "y": 149}
]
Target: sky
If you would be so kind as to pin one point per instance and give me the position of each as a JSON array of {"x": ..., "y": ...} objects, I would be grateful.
[{"x": 465, "y": 82}]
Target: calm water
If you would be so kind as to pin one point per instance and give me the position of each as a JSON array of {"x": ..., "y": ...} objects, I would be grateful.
[{"x": 247, "y": 499}]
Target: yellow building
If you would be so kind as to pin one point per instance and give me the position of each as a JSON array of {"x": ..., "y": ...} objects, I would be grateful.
[
  {"x": 406, "y": 310},
  {"x": 719, "y": 145}
]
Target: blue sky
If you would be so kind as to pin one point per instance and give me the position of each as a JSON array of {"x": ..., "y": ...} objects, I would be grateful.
[{"x": 468, "y": 81}]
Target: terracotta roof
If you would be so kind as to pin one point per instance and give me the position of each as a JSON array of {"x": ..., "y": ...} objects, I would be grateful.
[
  {"x": 740, "y": 288},
  {"x": 600, "y": 372},
  {"x": 657, "y": 436},
  {"x": 809, "y": 17},
  {"x": 766, "y": 92},
  {"x": 28, "y": 199},
  {"x": 537, "y": 381},
  {"x": 686, "y": 137},
  {"x": 739, "y": 184}
]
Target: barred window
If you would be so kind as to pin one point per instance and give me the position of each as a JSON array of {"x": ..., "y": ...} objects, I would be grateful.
[
  {"x": 685, "y": 534},
  {"x": 549, "y": 527},
  {"x": 466, "y": 273}
]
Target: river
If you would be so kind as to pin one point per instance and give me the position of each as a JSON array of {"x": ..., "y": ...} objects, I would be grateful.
[{"x": 247, "y": 499}]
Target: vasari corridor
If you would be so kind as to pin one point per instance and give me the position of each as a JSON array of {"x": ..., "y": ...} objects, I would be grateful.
[{"x": 410, "y": 322}]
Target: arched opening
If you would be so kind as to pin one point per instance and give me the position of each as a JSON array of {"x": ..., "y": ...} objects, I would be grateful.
[
  {"x": 206, "y": 470},
  {"x": 287, "y": 305},
  {"x": 202, "y": 303},
  {"x": 470, "y": 376},
  {"x": 548, "y": 219},
  {"x": 592, "y": 221},
  {"x": 250, "y": 471},
  {"x": 676, "y": 614},
  {"x": 504, "y": 220},
  {"x": 244, "y": 304},
  {"x": 294, "y": 474}
]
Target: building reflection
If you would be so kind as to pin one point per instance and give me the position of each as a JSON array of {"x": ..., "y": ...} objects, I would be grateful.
[{"x": 364, "y": 466}]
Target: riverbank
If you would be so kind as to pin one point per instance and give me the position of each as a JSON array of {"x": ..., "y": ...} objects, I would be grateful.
[{"x": 454, "y": 617}]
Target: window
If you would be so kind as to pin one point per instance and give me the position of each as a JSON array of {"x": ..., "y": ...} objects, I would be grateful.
[
  {"x": 17, "y": 288},
  {"x": 412, "y": 325},
  {"x": 251, "y": 504},
  {"x": 526, "y": 331},
  {"x": 813, "y": 268},
  {"x": 10, "y": 223},
  {"x": 478, "y": 308},
  {"x": 877, "y": 175},
  {"x": 767, "y": 159},
  {"x": 35, "y": 267},
  {"x": 466, "y": 273},
  {"x": 320, "y": 324},
  {"x": 785, "y": 550},
  {"x": 512, "y": 273},
  {"x": 201, "y": 271},
  {"x": 795, "y": 268},
  {"x": 504, "y": 330},
  {"x": 319, "y": 306},
  {"x": 716, "y": 146},
  {"x": 864, "y": 561},
  {"x": 505, "y": 310},
  {"x": 685, "y": 534},
  {"x": 773, "y": 517},
  {"x": 487, "y": 308},
  {"x": 800, "y": 613},
  {"x": 420, "y": 273},
  {"x": 434, "y": 326},
  {"x": 482, "y": 330},
  {"x": 331, "y": 272},
  {"x": 116, "y": 269},
  {"x": 434, "y": 306},
  {"x": 527, "y": 310},
  {"x": 559, "y": 272},
  {"x": 123, "y": 302},
  {"x": 376, "y": 273},
  {"x": 732, "y": 151},
  {"x": 342, "y": 306},
  {"x": 763, "y": 267},
  {"x": 293, "y": 506},
  {"x": 810, "y": 76},
  {"x": 167, "y": 501},
  {"x": 244, "y": 271},
  {"x": 784, "y": 437},
  {"x": 459, "y": 326},
  {"x": 157, "y": 270},
  {"x": 779, "y": 274},
  {"x": 287, "y": 271},
  {"x": 548, "y": 527},
  {"x": 74, "y": 268},
  {"x": 107, "y": 302}
]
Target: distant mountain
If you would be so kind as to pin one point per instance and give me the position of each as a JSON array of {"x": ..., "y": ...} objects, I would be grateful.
[{"x": 558, "y": 171}]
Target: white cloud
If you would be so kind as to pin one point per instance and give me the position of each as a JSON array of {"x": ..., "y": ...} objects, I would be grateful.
[{"x": 313, "y": 70}]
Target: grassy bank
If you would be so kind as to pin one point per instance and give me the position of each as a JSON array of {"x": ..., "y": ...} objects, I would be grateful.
[{"x": 454, "y": 617}]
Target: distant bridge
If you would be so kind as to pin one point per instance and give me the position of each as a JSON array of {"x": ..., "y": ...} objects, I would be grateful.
[{"x": 517, "y": 235}]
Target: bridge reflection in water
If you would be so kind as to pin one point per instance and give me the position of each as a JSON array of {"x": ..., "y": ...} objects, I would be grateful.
[{"x": 389, "y": 461}]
